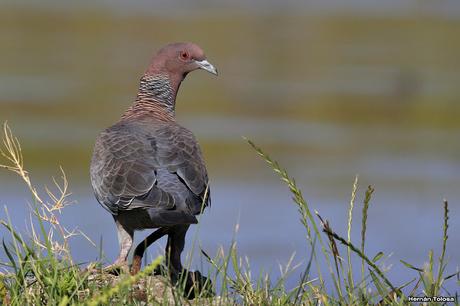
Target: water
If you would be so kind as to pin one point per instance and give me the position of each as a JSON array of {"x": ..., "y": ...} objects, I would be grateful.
[
  {"x": 402, "y": 224},
  {"x": 327, "y": 91}
]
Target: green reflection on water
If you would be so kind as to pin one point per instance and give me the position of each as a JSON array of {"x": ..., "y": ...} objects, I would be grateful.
[{"x": 66, "y": 75}]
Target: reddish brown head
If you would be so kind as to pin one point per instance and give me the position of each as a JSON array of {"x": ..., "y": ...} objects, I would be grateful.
[
  {"x": 159, "y": 84},
  {"x": 178, "y": 59}
]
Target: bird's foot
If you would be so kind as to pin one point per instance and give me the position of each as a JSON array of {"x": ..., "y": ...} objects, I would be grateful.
[
  {"x": 195, "y": 284},
  {"x": 117, "y": 268}
]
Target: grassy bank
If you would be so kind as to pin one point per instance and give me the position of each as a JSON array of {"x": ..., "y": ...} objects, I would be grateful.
[{"x": 40, "y": 268}]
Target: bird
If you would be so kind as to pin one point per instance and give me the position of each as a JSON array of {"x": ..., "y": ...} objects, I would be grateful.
[{"x": 147, "y": 170}]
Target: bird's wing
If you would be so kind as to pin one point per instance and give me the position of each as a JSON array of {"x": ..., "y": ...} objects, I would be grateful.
[
  {"x": 179, "y": 152},
  {"x": 126, "y": 160}
]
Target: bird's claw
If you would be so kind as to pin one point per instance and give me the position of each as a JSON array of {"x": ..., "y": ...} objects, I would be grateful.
[
  {"x": 114, "y": 269},
  {"x": 195, "y": 284},
  {"x": 117, "y": 268}
]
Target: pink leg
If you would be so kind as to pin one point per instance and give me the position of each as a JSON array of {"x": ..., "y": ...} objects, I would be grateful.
[{"x": 125, "y": 239}]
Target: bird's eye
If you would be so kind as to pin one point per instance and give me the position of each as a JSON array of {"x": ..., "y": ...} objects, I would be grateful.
[{"x": 184, "y": 55}]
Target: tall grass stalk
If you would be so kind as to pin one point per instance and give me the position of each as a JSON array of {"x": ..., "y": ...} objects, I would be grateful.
[
  {"x": 367, "y": 200},
  {"x": 306, "y": 216},
  {"x": 442, "y": 265},
  {"x": 351, "y": 285}
]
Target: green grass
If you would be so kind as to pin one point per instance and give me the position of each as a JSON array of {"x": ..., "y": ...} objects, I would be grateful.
[{"x": 40, "y": 268}]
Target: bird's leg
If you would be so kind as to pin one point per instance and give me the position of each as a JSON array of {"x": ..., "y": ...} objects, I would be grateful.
[
  {"x": 141, "y": 247},
  {"x": 193, "y": 282},
  {"x": 125, "y": 239},
  {"x": 174, "y": 248}
]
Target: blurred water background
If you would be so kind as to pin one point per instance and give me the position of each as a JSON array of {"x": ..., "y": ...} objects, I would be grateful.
[{"x": 330, "y": 88}]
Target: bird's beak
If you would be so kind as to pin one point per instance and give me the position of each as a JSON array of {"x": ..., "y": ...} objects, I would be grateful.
[{"x": 205, "y": 65}]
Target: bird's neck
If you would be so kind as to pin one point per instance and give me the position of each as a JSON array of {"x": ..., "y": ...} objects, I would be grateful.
[{"x": 156, "y": 96}]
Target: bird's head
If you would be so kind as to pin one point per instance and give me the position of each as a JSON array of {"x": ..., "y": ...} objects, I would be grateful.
[{"x": 178, "y": 59}]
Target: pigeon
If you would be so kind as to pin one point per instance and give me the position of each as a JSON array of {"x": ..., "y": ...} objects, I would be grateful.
[{"x": 147, "y": 170}]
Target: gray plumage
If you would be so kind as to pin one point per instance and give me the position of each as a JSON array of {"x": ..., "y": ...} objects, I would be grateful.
[
  {"x": 146, "y": 169},
  {"x": 152, "y": 165}
]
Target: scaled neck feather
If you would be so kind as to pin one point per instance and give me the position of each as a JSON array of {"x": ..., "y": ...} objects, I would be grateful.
[{"x": 156, "y": 96}]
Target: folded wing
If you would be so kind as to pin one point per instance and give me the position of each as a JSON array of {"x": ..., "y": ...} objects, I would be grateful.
[{"x": 129, "y": 159}]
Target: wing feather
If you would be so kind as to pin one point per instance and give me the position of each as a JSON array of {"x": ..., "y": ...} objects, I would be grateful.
[{"x": 127, "y": 157}]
